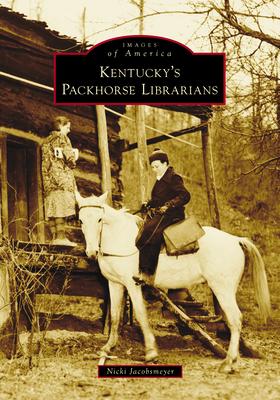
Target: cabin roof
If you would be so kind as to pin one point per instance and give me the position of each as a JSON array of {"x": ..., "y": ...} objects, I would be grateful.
[
  {"x": 17, "y": 24},
  {"x": 35, "y": 35}
]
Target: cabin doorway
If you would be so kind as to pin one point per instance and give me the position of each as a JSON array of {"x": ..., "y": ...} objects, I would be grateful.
[{"x": 24, "y": 190}]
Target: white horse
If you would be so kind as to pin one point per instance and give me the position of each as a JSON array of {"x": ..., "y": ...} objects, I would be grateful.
[{"x": 220, "y": 261}]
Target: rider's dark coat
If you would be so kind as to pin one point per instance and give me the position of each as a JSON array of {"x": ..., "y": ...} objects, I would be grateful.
[{"x": 169, "y": 191}]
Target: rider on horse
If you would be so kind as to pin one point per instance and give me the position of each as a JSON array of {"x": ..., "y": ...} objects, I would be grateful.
[{"x": 166, "y": 207}]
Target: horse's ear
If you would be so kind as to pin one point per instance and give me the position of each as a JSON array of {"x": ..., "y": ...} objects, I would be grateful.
[
  {"x": 103, "y": 197},
  {"x": 79, "y": 198}
]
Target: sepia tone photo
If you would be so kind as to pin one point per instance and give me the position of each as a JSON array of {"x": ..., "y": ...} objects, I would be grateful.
[{"x": 139, "y": 243}]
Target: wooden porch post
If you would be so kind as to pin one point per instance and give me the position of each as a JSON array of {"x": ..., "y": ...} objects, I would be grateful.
[
  {"x": 211, "y": 187},
  {"x": 142, "y": 153},
  {"x": 103, "y": 146},
  {"x": 209, "y": 174}
]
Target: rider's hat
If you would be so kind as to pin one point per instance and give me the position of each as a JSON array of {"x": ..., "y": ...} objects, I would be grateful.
[{"x": 160, "y": 155}]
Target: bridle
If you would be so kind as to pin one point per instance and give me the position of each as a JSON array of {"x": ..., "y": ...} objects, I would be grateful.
[
  {"x": 100, "y": 236},
  {"x": 101, "y": 230}
]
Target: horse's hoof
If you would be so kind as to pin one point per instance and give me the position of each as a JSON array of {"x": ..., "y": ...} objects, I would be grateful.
[
  {"x": 105, "y": 349},
  {"x": 103, "y": 353},
  {"x": 151, "y": 355},
  {"x": 226, "y": 368},
  {"x": 138, "y": 281}
]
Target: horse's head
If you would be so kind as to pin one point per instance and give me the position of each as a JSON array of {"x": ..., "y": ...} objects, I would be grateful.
[{"x": 91, "y": 213}]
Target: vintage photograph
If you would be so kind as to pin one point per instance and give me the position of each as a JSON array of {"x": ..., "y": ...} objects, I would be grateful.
[{"x": 139, "y": 242}]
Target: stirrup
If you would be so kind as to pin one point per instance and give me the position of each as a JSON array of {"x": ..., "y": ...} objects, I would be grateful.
[
  {"x": 142, "y": 281},
  {"x": 138, "y": 281}
]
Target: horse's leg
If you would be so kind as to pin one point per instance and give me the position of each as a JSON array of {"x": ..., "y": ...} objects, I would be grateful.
[
  {"x": 135, "y": 294},
  {"x": 116, "y": 297},
  {"x": 233, "y": 315}
]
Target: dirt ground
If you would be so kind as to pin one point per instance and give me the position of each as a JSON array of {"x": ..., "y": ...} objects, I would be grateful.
[{"x": 67, "y": 367}]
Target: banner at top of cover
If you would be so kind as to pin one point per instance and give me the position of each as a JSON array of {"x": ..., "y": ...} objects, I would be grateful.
[{"x": 139, "y": 69}]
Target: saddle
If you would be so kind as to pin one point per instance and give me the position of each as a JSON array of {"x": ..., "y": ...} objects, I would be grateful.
[{"x": 182, "y": 237}]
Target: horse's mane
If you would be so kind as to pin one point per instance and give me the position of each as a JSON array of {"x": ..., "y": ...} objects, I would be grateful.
[
  {"x": 123, "y": 212},
  {"x": 115, "y": 213}
]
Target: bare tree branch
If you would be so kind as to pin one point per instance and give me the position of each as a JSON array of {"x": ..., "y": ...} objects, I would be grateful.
[
  {"x": 256, "y": 15},
  {"x": 206, "y": 11},
  {"x": 12, "y": 5},
  {"x": 262, "y": 165},
  {"x": 230, "y": 17}
]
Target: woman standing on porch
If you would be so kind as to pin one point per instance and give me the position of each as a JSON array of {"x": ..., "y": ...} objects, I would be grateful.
[{"x": 58, "y": 161}]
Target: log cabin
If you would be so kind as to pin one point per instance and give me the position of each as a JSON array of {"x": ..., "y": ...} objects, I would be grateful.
[{"x": 27, "y": 109}]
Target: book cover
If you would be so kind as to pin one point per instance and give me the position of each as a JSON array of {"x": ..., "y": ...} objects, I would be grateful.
[{"x": 200, "y": 82}]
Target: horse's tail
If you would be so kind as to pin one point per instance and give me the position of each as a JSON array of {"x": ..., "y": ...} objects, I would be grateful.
[{"x": 256, "y": 265}]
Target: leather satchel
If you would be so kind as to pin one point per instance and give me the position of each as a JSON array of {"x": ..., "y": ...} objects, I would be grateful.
[{"x": 182, "y": 237}]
